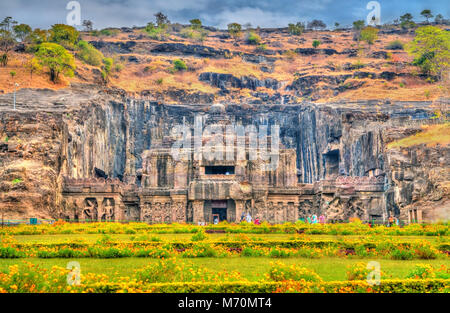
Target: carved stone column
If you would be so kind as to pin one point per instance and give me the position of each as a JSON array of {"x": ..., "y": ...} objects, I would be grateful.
[{"x": 240, "y": 206}]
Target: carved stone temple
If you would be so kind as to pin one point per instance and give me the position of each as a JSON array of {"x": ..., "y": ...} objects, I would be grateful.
[{"x": 226, "y": 176}]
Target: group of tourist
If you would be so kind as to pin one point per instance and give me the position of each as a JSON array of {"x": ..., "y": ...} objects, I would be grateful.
[
  {"x": 393, "y": 220},
  {"x": 312, "y": 219},
  {"x": 248, "y": 218}
]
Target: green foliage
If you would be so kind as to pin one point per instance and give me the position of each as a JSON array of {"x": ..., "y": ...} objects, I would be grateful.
[
  {"x": 235, "y": 30},
  {"x": 7, "y": 40},
  {"x": 358, "y": 271},
  {"x": 395, "y": 45},
  {"x": 7, "y": 24},
  {"x": 107, "y": 67},
  {"x": 316, "y": 43},
  {"x": 281, "y": 272},
  {"x": 161, "y": 20},
  {"x": 89, "y": 54},
  {"x": 109, "y": 32},
  {"x": 39, "y": 36},
  {"x": 253, "y": 38},
  {"x": 56, "y": 59},
  {"x": 251, "y": 252},
  {"x": 369, "y": 35},
  {"x": 196, "y": 23},
  {"x": 10, "y": 253},
  {"x": 316, "y": 24},
  {"x": 22, "y": 32},
  {"x": 16, "y": 181},
  {"x": 296, "y": 29},
  {"x": 439, "y": 19},
  {"x": 65, "y": 35},
  {"x": 358, "y": 25},
  {"x": 431, "y": 49},
  {"x": 406, "y": 21},
  {"x": 426, "y": 14},
  {"x": 199, "y": 236},
  {"x": 156, "y": 33},
  {"x": 179, "y": 65},
  {"x": 261, "y": 48},
  {"x": 427, "y": 271},
  {"x": 197, "y": 34},
  {"x": 118, "y": 67}
]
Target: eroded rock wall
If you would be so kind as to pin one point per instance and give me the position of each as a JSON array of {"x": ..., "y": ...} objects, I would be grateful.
[{"x": 67, "y": 134}]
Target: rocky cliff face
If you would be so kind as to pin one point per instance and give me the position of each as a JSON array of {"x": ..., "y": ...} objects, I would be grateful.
[
  {"x": 79, "y": 133},
  {"x": 419, "y": 180}
]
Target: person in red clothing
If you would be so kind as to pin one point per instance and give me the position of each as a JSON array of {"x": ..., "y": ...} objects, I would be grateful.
[{"x": 257, "y": 222}]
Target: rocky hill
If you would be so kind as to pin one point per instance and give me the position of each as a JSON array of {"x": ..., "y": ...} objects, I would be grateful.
[{"x": 280, "y": 68}]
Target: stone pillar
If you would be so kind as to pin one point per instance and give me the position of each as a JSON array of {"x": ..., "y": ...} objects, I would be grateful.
[
  {"x": 419, "y": 216},
  {"x": 197, "y": 208},
  {"x": 295, "y": 208},
  {"x": 240, "y": 205}
]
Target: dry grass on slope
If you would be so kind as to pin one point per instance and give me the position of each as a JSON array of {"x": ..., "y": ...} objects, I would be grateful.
[{"x": 431, "y": 135}]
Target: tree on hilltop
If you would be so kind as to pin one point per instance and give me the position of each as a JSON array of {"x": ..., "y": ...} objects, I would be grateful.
[
  {"x": 56, "y": 59},
  {"x": 431, "y": 49},
  {"x": 426, "y": 14},
  {"x": 235, "y": 30},
  {"x": 317, "y": 24}
]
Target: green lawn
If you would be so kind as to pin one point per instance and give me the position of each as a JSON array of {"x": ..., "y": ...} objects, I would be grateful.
[
  {"x": 252, "y": 268},
  {"x": 183, "y": 237}
]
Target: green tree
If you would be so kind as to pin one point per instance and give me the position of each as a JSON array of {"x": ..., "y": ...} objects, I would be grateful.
[
  {"x": 431, "y": 49},
  {"x": 7, "y": 40},
  {"x": 64, "y": 35},
  {"x": 235, "y": 30},
  {"x": 426, "y": 14},
  {"x": 22, "y": 32},
  {"x": 88, "y": 25},
  {"x": 7, "y": 24},
  {"x": 315, "y": 44},
  {"x": 196, "y": 23},
  {"x": 439, "y": 19},
  {"x": 296, "y": 29},
  {"x": 39, "y": 36},
  {"x": 161, "y": 20},
  {"x": 13, "y": 74},
  {"x": 7, "y": 43},
  {"x": 317, "y": 24},
  {"x": 56, "y": 59},
  {"x": 357, "y": 27},
  {"x": 406, "y": 21},
  {"x": 33, "y": 66},
  {"x": 369, "y": 35}
]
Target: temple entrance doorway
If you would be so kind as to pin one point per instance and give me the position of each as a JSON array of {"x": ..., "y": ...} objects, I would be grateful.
[{"x": 219, "y": 210}]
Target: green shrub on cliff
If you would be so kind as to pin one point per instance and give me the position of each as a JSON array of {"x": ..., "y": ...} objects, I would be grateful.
[{"x": 89, "y": 54}]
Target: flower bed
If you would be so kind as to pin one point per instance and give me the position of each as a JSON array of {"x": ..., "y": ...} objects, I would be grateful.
[
  {"x": 354, "y": 228},
  {"x": 308, "y": 248},
  {"x": 173, "y": 276}
]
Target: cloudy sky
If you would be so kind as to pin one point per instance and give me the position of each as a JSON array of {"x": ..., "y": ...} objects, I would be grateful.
[{"x": 263, "y": 13}]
